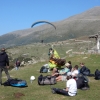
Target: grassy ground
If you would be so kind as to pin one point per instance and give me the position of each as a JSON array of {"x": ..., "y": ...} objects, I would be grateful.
[{"x": 36, "y": 92}]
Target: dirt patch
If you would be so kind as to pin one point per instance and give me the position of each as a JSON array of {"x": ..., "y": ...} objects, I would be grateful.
[{"x": 18, "y": 95}]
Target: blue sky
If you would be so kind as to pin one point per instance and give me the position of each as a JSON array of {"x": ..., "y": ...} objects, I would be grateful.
[{"x": 20, "y": 14}]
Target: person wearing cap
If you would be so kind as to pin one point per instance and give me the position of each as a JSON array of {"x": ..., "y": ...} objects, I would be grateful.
[
  {"x": 4, "y": 64},
  {"x": 71, "y": 87},
  {"x": 62, "y": 73},
  {"x": 65, "y": 70}
]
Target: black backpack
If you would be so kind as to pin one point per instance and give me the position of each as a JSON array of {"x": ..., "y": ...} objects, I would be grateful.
[
  {"x": 46, "y": 80},
  {"x": 43, "y": 69},
  {"x": 86, "y": 72},
  {"x": 97, "y": 74},
  {"x": 82, "y": 81}
]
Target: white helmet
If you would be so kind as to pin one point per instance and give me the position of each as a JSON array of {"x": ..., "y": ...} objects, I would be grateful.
[{"x": 32, "y": 78}]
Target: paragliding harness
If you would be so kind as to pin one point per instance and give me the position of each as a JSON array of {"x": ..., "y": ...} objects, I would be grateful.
[
  {"x": 46, "y": 80},
  {"x": 58, "y": 62},
  {"x": 15, "y": 83}
]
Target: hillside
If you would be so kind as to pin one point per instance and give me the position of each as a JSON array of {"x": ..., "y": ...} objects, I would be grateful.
[
  {"x": 38, "y": 52},
  {"x": 37, "y": 92},
  {"x": 83, "y": 24}
]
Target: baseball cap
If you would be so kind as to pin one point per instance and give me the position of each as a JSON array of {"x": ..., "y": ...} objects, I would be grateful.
[{"x": 67, "y": 64}]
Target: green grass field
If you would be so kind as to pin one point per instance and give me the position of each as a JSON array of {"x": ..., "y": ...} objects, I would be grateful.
[{"x": 36, "y": 92}]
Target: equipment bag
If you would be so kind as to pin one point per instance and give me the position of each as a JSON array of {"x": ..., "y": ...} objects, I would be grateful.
[
  {"x": 15, "y": 83},
  {"x": 43, "y": 69},
  {"x": 97, "y": 74},
  {"x": 46, "y": 80},
  {"x": 82, "y": 81}
]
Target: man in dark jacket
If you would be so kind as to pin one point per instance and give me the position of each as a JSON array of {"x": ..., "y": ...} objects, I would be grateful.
[
  {"x": 4, "y": 64},
  {"x": 83, "y": 68}
]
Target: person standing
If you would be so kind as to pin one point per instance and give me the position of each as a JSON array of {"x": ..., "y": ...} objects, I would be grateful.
[
  {"x": 17, "y": 64},
  {"x": 4, "y": 64}
]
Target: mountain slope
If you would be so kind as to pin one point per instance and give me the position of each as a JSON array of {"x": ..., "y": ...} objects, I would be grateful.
[{"x": 84, "y": 24}]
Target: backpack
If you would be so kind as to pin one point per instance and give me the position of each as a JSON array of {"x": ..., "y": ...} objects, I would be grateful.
[
  {"x": 46, "y": 80},
  {"x": 97, "y": 74},
  {"x": 43, "y": 69},
  {"x": 82, "y": 81},
  {"x": 86, "y": 72},
  {"x": 15, "y": 83}
]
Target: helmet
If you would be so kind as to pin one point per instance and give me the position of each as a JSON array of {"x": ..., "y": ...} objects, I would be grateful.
[{"x": 32, "y": 78}]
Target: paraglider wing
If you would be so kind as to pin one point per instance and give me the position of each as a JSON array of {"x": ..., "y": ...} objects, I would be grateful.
[{"x": 43, "y": 22}]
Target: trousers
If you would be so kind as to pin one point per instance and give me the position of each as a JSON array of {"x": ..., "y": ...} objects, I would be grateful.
[
  {"x": 61, "y": 91},
  {"x": 4, "y": 68}
]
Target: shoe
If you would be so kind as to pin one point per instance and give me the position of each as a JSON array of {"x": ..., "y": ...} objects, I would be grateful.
[
  {"x": 53, "y": 90},
  {"x": 85, "y": 88},
  {"x": 0, "y": 84},
  {"x": 48, "y": 70}
]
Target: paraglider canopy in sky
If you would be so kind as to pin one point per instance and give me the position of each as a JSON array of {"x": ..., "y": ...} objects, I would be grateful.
[{"x": 38, "y": 22}]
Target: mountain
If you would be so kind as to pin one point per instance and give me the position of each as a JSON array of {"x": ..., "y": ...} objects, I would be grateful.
[{"x": 83, "y": 24}]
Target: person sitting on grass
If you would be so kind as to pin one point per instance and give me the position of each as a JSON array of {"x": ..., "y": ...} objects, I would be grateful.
[
  {"x": 70, "y": 67},
  {"x": 75, "y": 71},
  {"x": 61, "y": 74},
  {"x": 84, "y": 70},
  {"x": 71, "y": 87}
]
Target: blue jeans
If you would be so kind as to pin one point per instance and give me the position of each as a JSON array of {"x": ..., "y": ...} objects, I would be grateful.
[{"x": 16, "y": 68}]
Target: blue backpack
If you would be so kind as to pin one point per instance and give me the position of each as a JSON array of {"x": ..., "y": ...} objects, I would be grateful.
[{"x": 15, "y": 83}]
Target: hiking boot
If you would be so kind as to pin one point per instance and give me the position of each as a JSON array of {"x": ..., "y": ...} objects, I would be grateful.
[
  {"x": 85, "y": 88},
  {"x": 53, "y": 90},
  {"x": 1, "y": 84}
]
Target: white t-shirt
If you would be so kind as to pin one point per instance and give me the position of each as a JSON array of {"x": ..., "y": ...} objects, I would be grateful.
[
  {"x": 72, "y": 85},
  {"x": 75, "y": 72}
]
